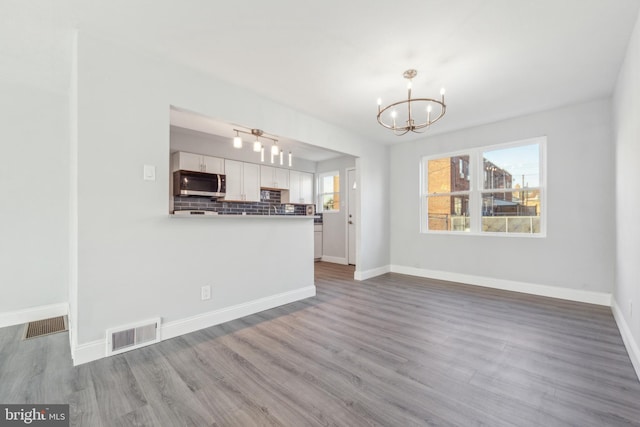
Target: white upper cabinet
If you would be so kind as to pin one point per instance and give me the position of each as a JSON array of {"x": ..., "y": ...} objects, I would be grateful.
[
  {"x": 306, "y": 188},
  {"x": 213, "y": 164},
  {"x": 243, "y": 181},
  {"x": 276, "y": 178},
  {"x": 197, "y": 162},
  {"x": 300, "y": 187}
]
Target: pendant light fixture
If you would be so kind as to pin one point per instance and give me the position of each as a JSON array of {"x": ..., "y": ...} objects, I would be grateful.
[
  {"x": 237, "y": 141},
  {"x": 404, "y": 109},
  {"x": 258, "y": 147}
]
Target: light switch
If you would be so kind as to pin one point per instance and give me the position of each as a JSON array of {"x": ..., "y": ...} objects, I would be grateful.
[{"x": 149, "y": 173}]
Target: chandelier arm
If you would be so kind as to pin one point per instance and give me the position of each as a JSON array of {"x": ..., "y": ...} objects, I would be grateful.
[
  {"x": 395, "y": 132},
  {"x": 413, "y": 128}
]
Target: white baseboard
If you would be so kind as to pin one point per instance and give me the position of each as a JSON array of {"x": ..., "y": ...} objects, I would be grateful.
[
  {"x": 629, "y": 342},
  {"x": 95, "y": 350},
  {"x": 368, "y": 274},
  {"x": 578, "y": 295},
  {"x": 88, "y": 352},
  {"x": 334, "y": 259},
  {"x": 31, "y": 314},
  {"x": 216, "y": 317}
]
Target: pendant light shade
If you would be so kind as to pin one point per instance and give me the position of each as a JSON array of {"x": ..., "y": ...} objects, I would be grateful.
[{"x": 237, "y": 141}]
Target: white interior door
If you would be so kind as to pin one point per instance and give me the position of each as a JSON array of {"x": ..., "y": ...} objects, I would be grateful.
[{"x": 352, "y": 188}]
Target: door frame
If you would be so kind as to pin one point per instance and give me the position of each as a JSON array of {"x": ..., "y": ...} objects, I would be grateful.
[{"x": 348, "y": 206}]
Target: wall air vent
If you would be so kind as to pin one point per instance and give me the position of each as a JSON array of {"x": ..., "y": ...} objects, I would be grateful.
[{"x": 132, "y": 336}]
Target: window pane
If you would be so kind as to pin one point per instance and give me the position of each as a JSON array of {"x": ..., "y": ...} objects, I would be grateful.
[
  {"x": 512, "y": 168},
  {"x": 448, "y": 213},
  {"x": 328, "y": 192},
  {"x": 511, "y": 212},
  {"x": 447, "y": 175},
  {"x": 331, "y": 202},
  {"x": 327, "y": 184}
]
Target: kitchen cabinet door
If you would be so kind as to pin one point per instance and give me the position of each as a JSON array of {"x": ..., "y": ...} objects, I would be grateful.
[
  {"x": 197, "y": 162},
  {"x": 294, "y": 186},
  {"x": 266, "y": 177},
  {"x": 243, "y": 181},
  {"x": 212, "y": 164},
  {"x": 300, "y": 187},
  {"x": 317, "y": 241},
  {"x": 306, "y": 188},
  {"x": 276, "y": 178},
  {"x": 281, "y": 177},
  {"x": 187, "y": 162},
  {"x": 234, "y": 172},
  {"x": 251, "y": 182}
]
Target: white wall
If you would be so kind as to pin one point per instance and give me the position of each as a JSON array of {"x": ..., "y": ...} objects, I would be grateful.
[
  {"x": 34, "y": 160},
  {"x": 128, "y": 247},
  {"x": 578, "y": 252},
  {"x": 334, "y": 236},
  {"x": 626, "y": 125}
]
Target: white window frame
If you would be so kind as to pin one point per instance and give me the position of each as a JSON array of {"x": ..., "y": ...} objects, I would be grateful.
[
  {"x": 321, "y": 192},
  {"x": 476, "y": 190}
]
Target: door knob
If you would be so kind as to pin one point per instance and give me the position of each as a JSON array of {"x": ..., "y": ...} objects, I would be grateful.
[{"x": 350, "y": 222}]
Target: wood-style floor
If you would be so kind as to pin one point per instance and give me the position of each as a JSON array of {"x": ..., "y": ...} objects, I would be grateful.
[{"x": 392, "y": 351}]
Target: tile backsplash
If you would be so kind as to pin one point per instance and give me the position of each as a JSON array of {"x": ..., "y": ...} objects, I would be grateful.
[{"x": 269, "y": 204}]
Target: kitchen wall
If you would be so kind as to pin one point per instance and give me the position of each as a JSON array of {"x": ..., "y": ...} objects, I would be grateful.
[
  {"x": 132, "y": 262},
  {"x": 34, "y": 164},
  {"x": 577, "y": 257},
  {"x": 334, "y": 238},
  {"x": 626, "y": 126}
]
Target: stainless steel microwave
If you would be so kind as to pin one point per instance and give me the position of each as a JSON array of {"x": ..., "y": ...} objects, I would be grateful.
[{"x": 191, "y": 183}]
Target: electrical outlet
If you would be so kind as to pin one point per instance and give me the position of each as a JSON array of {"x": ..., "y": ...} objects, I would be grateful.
[{"x": 205, "y": 292}]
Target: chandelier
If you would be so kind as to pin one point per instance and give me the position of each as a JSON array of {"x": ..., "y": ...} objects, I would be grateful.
[
  {"x": 275, "y": 150},
  {"x": 416, "y": 113}
]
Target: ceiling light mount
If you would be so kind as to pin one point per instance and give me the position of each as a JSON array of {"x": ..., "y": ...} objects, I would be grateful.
[{"x": 405, "y": 110}]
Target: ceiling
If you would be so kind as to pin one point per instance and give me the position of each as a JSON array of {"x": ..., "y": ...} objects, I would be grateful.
[{"x": 332, "y": 59}]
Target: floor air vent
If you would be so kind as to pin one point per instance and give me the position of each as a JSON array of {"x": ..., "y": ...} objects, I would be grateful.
[
  {"x": 132, "y": 336},
  {"x": 40, "y": 328}
]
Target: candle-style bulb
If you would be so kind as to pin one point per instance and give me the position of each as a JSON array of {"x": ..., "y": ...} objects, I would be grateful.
[
  {"x": 442, "y": 91},
  {"x": 379, "y": 102}
]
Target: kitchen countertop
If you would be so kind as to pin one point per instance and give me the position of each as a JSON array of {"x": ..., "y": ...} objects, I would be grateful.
[{"x": 247, "y": 216}]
